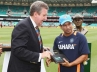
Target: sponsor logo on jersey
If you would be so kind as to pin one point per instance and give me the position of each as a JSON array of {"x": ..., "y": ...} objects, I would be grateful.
[{"x": 66, "y": 46}]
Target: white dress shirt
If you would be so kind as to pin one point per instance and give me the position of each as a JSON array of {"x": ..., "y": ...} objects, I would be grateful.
[{"x": 40, "y": 59}]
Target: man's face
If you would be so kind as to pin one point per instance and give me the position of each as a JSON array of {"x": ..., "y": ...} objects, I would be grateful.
[
  {"x": 39, "y": 18},
  {"x": 78, "y": 21},
  {"x": 67, "y": 27}
]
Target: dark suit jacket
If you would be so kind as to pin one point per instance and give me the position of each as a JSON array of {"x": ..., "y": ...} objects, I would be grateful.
[{"x": 25, "y": 48}]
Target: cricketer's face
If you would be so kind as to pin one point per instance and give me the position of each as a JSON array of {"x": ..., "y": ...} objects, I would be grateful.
[{"x": 67, "y": 27}]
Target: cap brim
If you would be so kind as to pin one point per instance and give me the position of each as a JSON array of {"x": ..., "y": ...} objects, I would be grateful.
[{"x": 65, "y": 21}]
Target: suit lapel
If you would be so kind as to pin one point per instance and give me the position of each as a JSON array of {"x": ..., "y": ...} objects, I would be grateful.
[{"x": 34, "y": 32}]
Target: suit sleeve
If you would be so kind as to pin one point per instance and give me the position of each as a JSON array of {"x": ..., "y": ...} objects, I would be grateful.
[{"x": 19, "y": 41}]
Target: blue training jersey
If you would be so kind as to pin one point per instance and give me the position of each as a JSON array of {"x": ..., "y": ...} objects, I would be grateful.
[{"x": 72, "y": 47}]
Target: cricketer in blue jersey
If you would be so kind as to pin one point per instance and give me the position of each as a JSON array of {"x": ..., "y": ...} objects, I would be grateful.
[{"x": 73, "y": 45}]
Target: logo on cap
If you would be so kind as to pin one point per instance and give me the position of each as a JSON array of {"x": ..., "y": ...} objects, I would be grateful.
[{"x": 65, "y": 18}]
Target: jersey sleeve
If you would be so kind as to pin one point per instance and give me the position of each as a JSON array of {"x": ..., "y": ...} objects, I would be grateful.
[{"x": 83, "y": 48}]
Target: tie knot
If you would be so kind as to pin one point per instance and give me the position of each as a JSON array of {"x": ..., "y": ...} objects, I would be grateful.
[{"x": 36, "y": 27}]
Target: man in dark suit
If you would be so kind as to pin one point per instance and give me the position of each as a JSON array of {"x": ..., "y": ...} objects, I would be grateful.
[{"x": 26, "y": 51}]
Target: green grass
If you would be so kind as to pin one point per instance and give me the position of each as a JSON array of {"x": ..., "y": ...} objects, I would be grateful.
[{"x": 48, "y": 36}]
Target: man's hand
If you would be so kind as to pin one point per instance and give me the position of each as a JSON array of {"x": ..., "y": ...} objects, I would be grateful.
[
  {"x": 0, "y": 51},
  {"x": 48, "y": 61},
  {"x": 46, "y": 48},
  {"x": 66, "y": 63},
  {"x": 46, "y": 54},
  {"x": 0, "y": 48}
]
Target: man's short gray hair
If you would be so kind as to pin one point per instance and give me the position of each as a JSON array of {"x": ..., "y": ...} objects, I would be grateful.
[{"x": 37, "y": 6}]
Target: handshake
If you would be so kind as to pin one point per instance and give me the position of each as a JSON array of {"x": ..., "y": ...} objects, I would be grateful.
[
  {"x": 46, "y": 53},
  {"x": 54, "y": 56}
]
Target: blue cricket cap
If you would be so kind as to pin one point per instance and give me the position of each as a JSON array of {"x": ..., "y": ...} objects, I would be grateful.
[{"x": 65, "y": 18}]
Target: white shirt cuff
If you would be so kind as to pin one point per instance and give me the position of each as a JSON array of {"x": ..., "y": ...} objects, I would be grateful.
[{"x": 39, "y": 60}]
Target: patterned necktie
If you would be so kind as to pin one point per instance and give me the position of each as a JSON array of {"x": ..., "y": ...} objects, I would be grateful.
[{"x": 38, "y": 34}]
